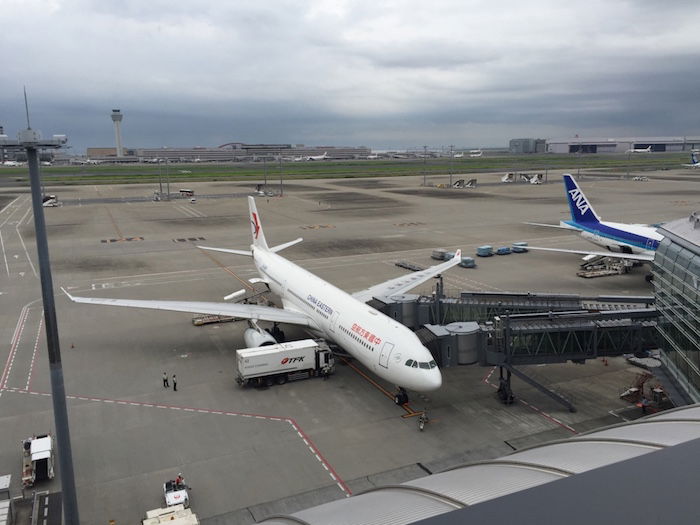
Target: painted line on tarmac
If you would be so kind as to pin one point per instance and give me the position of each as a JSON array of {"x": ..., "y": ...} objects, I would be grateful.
[
  {"x": 21, "y": 239},
  {"x": 14, "y": 343},
  {"x": 295, "y": 426},
  {"x": 36, "y": 345},
  {"x": 533, "y": 407},
  {"x": 2, "y": 242}
]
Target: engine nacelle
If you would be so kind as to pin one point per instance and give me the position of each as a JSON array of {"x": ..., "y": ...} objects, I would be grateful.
[{"x": 256, "y": 337}]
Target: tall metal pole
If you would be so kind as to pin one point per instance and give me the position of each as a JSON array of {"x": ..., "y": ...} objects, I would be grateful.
[
  {"x": 167, "y": 176},
  {"x": 60, "y": 412},
  {"x": 425, "y": 160},
  {"x": 265, "y": 170},
  {"x": 451, "y": 158}
]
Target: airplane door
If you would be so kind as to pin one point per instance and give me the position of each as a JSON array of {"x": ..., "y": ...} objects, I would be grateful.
[
  {"x": 385, "y": 353},
  {"x": 334, "y": 321}
]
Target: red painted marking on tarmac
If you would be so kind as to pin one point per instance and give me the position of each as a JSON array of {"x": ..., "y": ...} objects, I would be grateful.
[
  {"x": 323, "y": 460},
  {"x": 533, "y": 407},
  {"x": 36, "y": 345},
  {"x": 312, "y": 446},
  {"x": 488, "y": 376},
  {"x": 17, "y": 336}
]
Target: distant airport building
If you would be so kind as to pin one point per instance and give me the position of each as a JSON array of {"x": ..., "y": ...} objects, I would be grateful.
[
  {"x": 677, "y": 293},
  {"x": 231, "y": 152},
  {"x": 518, "y": 146},
  {"x": 621, "y": 145}
]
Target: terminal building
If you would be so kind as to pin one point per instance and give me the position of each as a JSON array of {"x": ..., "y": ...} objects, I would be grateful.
[
  {"x": 621, "y": 145},
  {"x": 230, "y": 152},
  {"x": 677, "y": 293}
]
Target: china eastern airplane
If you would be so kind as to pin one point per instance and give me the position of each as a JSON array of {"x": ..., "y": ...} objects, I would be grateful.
[
  {"x": 623, "y": 241},
  {"x": 384, "y": 346},
  {"x": 694, "y": 163}
]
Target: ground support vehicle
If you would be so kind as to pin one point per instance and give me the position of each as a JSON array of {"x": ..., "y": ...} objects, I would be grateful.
[{"x": 282, "y": 362}]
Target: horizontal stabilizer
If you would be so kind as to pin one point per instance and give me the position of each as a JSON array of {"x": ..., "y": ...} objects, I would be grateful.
[
  {"x": 562, "y": 225},
  {"x": 286, "y": 245},
  {"x": 247, "y": 253},
  {"x": 614, "y": 255}
]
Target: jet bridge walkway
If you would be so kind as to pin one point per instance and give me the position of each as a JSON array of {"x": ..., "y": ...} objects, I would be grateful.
[{"x": 510, "y": 330}]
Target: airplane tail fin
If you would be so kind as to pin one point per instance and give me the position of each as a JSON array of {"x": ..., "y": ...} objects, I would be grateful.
[
  {"x": 255, "y": 226},
  {"x": 694, "y": 158},
  {"x": 581, "y": 209}
]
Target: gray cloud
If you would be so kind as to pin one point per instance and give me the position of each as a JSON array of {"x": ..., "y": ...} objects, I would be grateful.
[{"x": 382, "y": 74}]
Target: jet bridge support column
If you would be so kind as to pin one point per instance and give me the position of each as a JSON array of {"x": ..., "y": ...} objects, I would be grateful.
[{"x": 505, "y": 390}]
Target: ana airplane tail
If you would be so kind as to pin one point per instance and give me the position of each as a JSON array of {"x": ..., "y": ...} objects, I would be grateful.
[
  {"x": 581, "y": 209},
  {"x": 694, "y": 158}
]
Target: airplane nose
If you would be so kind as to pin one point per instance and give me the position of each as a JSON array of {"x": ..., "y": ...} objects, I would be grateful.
[{"x": 435, "y": 379}]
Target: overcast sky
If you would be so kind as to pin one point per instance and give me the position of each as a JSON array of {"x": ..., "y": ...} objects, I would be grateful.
[{"x": 385, "y": 74}]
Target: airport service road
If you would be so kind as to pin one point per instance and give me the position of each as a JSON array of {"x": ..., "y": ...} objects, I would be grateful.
[{"x": 241, "y": 448}]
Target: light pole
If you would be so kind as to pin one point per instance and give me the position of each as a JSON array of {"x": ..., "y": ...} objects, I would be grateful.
[
  {"x": 451, "y": 157},
  {"x": 425, "y": 160},
  {"x": 281, "y": 188},
  {"x": 30, "y": 140}
]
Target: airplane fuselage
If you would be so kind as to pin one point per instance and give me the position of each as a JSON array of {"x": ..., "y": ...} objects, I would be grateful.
[
  {"x": 384, "y": 346},
  {"x": 620, "y": 238}
]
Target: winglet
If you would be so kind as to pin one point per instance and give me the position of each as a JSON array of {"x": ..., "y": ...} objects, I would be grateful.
[
  {"x": 458, "y": 255},
  {"x": 255, "y": 226}
]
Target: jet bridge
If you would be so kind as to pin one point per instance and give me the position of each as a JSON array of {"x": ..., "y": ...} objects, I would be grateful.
[{"x": 509, "y": 330}]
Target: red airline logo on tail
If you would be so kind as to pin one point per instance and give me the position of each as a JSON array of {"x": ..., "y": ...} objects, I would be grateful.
[{"x": 256, "y": 225}]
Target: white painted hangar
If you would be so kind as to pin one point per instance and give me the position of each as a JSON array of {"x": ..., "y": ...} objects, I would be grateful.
[{"x": 622, "y": 145}]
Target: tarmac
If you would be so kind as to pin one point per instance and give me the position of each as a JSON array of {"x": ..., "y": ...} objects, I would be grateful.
[{"x": 250, "y": 453}]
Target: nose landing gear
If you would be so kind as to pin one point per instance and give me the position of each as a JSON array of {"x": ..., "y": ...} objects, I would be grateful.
[{"x": 401, "y": 397}]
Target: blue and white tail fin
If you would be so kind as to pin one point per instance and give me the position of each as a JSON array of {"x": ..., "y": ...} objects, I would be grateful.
[
  {"x": 694, "y": 158},
  {"x": 581, "y": 209}
]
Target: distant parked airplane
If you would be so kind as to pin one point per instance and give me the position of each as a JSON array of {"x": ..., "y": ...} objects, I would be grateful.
[
  {"x": 372, "y": 156},
  {"x": 11, "y": 163},
  {"x": 458, "y": 155},
  {"x": 694, "y": 163},
  {"x": 637, "y": 242},
  {"x": 639, "y": 150},
  {"x": 475, "y": 153},
  {"x": 318, "y": 157}
]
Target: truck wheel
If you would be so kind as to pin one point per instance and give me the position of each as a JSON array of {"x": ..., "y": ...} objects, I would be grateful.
[
  {"x": 281, "y": 379},
  {"x": 269, "y": 381}
]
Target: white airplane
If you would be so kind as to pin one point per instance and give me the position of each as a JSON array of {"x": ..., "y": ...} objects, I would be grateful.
[
  {"x": 639, "y": 150},
  {"x": 46, "y": 163},
  {"x": 372, "y": 157},
  {"x": 636, "y": 242},
  {"x": 318, "y": 157},
  {"x": 297, "y": 159},
  {"x": 694, "y": 163},
  {"x": 384, "y": 346},
  {"x": 458, "y": 155},
  {"x": 475, "y": 153},
  {"x": 12, "y": 163}
]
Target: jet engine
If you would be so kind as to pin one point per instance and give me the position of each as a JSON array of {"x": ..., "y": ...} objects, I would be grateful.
[{"x": 255, "y": 336}]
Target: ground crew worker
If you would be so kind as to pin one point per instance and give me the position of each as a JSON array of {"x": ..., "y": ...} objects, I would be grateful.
[
  {"x": 165, "y": 380},
  {"x": 174, "y": 383}
]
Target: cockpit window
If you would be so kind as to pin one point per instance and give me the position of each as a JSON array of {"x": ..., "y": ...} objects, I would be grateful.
[
  {"x": 410, "y": 362},
  {"x": 433, "y": 364},
  {"x": 424, "y": 365},
  {"x": 415, "y": 364}
]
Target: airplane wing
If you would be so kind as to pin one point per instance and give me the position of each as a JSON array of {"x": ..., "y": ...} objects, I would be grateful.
[
  {"x": 245, "y": 311},
  {"x": 404, "y": 283},
  {"x": 614, "y": 255}
]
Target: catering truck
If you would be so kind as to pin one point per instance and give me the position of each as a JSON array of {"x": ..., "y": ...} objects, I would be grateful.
[
  {"x": 282, "y": 362},
  {"x": 37, "y": 459}
]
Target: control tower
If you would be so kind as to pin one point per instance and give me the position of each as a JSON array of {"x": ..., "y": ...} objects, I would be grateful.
[{"x": 117, "y": 119}]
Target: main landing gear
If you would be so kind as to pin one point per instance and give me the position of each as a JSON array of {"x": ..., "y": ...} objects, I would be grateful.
[{"x": 401, "y": 397}]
